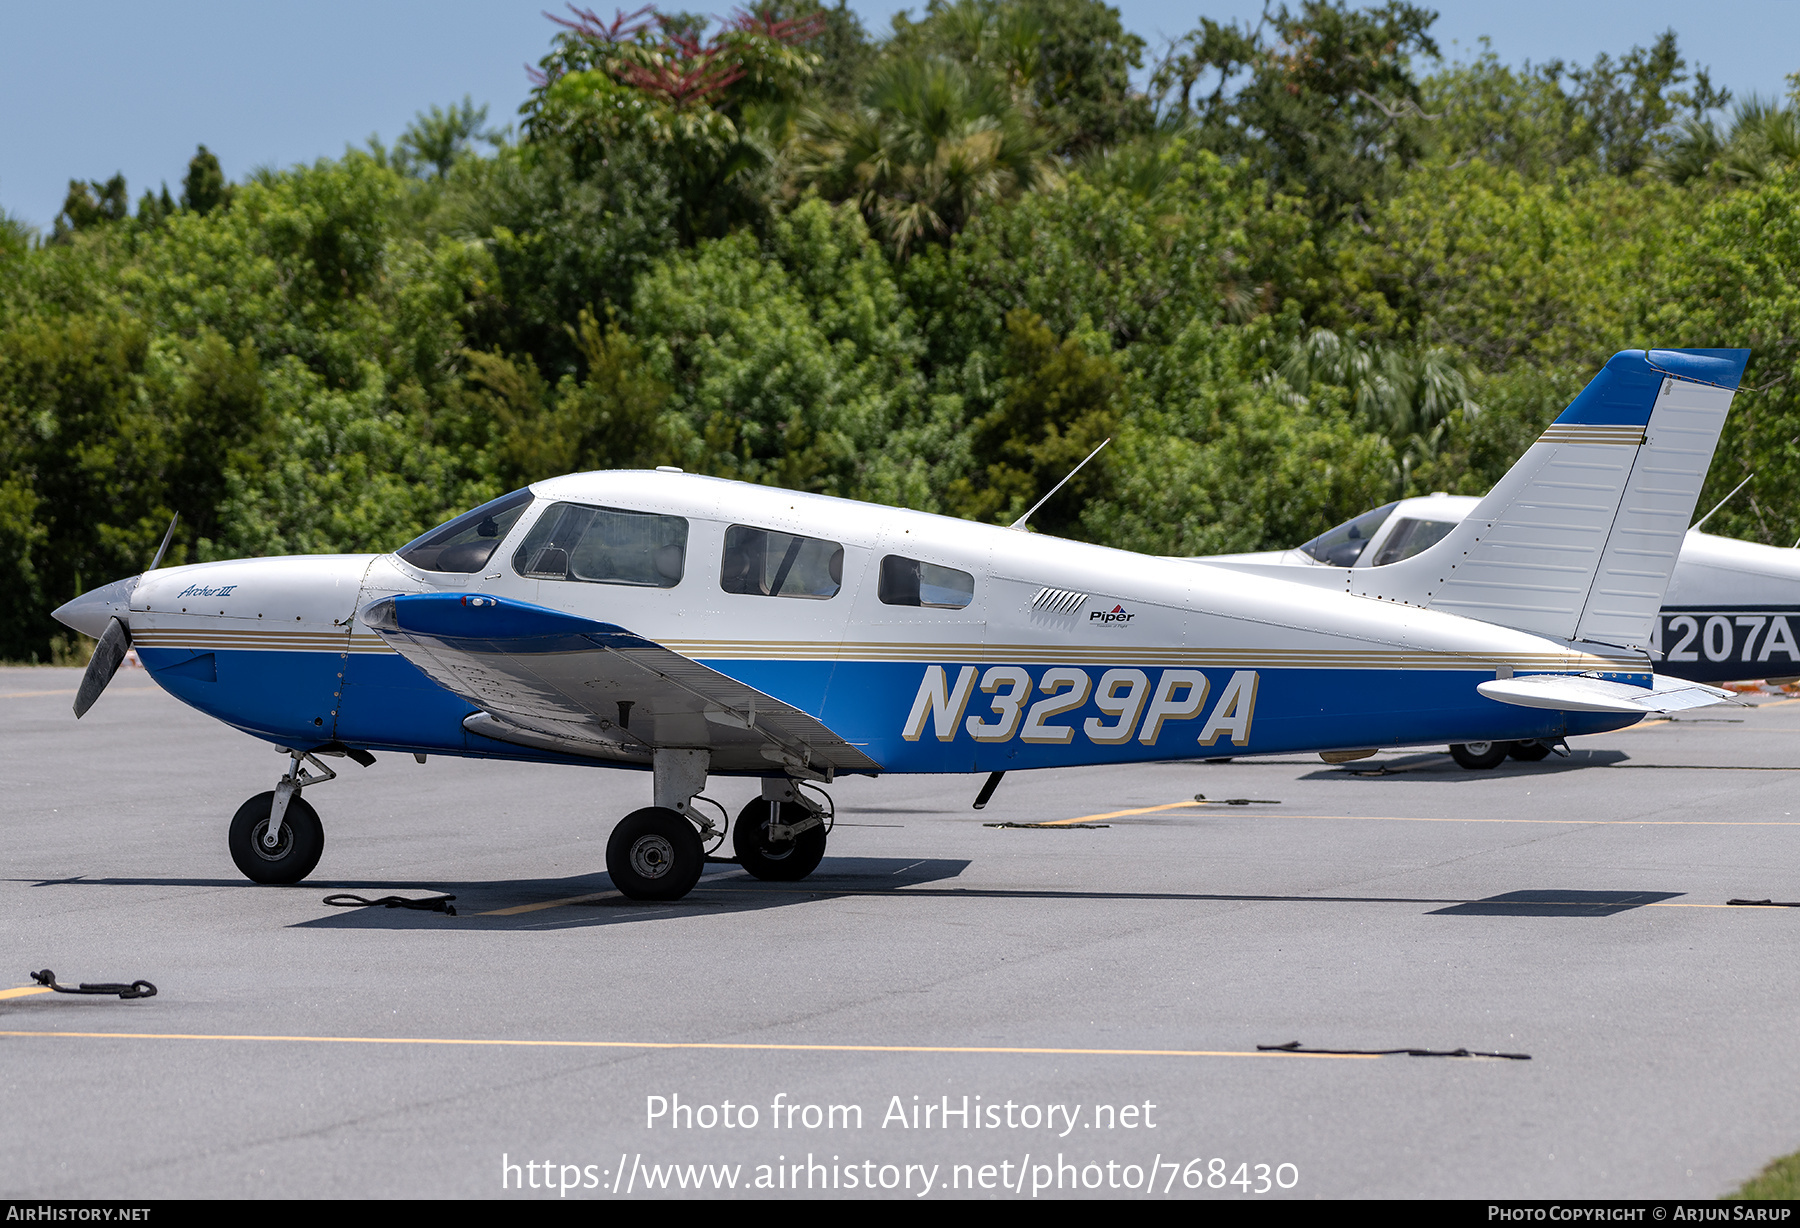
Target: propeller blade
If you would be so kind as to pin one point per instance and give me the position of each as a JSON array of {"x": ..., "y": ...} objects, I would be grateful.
[
  {"x": 164, "y": 548},
  {"x": 115, "y": 641}
]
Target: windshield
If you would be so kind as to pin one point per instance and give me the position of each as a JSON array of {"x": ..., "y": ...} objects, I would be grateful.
[
  {"x": 465, "y": 543},
  {"x": 1342, "y": 546}
]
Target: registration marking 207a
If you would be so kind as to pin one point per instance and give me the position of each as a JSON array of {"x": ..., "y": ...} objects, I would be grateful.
[{"x": 1128, "y": 703}]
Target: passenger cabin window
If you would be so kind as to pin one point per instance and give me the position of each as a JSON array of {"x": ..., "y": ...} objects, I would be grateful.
[
  {"x": 604, "y": 545},
  {"x": 1409, "y": 537},
  {"x": 910, "y": 582},
  {"x": 1342, "y": 546},
  {"x": 465, "y": 543},
  {"x": 763, "y": 563}
]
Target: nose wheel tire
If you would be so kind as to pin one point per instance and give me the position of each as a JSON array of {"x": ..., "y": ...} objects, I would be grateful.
[
  {"x": 1530, "y": 752},
  {"x": 1480, "y": 755},
  {"x": 655, "y": 854},
  {"x": 776, "y": 861},
  {"x": 301, "y": 840}
]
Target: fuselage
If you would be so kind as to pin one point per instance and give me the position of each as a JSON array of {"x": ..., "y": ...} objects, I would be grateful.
[{"x": 981, "y": 649}]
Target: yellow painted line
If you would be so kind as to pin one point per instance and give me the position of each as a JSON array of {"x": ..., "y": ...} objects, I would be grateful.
[
  {"x": 26, "y": 992},
  {"x": 573, "y": 899},
  {"x": 1118, "y": 814},
  {"x": 683, "y": 1044}
]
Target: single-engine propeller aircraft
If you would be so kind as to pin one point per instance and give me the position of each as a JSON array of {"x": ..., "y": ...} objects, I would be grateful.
[{"x": 693, "y": 626}]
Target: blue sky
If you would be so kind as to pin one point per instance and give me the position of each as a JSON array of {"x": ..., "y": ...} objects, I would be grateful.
[{"x": 109, "y": 86}]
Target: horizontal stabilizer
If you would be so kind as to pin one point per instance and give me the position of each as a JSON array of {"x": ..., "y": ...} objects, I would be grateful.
[{"x": 1588, "y": 693}]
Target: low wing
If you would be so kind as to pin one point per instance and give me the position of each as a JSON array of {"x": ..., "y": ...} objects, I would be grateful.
[
  {"x": 1585, "y": 693},
  {"x": 558, "y": 682}
]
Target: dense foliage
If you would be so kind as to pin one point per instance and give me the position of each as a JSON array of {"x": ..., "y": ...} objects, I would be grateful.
[{"x": 1314, "y": 267}]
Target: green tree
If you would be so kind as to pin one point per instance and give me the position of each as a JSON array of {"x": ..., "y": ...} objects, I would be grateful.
[
  {"x": 436, "y": 140},
  {"x": 204, "y": 188},
  {"x": 1059, "y": 403},
  {"x": 1328, "y": 101},
  {"x": 931, "y": 146}
]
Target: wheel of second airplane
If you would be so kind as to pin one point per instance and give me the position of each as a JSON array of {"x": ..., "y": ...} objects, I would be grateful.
[
  {"x": 1530, "y": 751},
  {"x": 776, "y": 861},
  {"x": 655, "y": 854}
]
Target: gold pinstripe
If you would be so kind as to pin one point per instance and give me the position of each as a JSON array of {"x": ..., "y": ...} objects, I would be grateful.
[
  {"x": 1593, "y": 434},
  {"x": 215, "y": 640}
]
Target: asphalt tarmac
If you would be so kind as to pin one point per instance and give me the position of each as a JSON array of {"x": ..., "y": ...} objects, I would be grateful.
[{"x": 1094, "y": 994}]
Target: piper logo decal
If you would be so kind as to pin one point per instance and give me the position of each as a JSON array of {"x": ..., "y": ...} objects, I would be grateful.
[
  {"x": 1115, "y": 615},
  {"x": 1125, "y": 701}
]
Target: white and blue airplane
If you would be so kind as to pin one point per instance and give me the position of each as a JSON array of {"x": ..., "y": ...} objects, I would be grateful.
[{"x": 694, "y": 627}]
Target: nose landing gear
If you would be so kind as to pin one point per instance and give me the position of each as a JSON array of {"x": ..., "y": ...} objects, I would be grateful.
[{"x": 276, "y": 837}]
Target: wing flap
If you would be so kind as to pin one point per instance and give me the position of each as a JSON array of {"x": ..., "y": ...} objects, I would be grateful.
[{"x": 544, "y": 677}]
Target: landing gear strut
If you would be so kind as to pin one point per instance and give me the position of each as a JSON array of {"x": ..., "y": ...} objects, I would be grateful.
[
  {"x": 276, "y": 837},
  {"x": 657, "y": 853},
  {"x": 780, "y": 836}
]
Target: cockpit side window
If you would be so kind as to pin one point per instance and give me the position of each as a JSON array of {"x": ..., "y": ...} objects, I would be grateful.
[
  {"x": 907, "y": 581},
  {"x": 764, "y": 563},
  {"x": 1342, "y": 546},
  {"x": 1409, "y": 537},
  {"x": 464, "y": 544},
  {"x": 604, "y": 545}
]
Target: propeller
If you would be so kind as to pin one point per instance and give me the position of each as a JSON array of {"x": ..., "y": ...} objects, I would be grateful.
[{"x": 115, "y": 641}]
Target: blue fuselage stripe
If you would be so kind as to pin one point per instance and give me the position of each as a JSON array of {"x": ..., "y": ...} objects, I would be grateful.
[{"x": 380, "y": 701}]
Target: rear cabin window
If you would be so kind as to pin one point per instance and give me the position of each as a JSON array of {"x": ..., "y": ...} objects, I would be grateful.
[
  {"x": 465, "y": 543},
  {"x": 764, "y": 563},
  {"x": 1409, "y": 537},
  {"x": 907, "y": 581},
  {"x": 604, "y": 545}
]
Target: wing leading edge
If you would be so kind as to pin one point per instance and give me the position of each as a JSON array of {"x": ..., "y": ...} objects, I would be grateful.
[{"x": 554, "y": 681}]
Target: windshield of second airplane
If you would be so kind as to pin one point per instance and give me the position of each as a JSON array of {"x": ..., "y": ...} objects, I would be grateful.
[{"x": 1342, "y": 546}]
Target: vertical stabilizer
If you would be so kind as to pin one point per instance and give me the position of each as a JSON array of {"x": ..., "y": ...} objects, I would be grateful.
[{"x": 1579, "y": 539}]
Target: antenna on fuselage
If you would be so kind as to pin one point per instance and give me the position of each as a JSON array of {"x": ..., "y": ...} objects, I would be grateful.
[
  {"x": 1019, "y": 524},
  {"x": 1722, "y": 502}
]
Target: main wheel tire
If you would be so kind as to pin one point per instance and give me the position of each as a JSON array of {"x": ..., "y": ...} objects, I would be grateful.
[
  {"x": 776, "y": 861},
  {"x": 298, "y": 851},
  {"x": 1530, "y": 752},
  {"x": 655, "y": 854},
  {"x": 1481, "y": 754}
]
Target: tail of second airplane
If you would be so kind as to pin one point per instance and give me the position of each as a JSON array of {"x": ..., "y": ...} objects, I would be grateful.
[{"x": 1578, "y": 540}]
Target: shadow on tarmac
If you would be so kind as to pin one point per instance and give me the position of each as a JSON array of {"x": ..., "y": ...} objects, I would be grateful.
[
  {"x": 1441, "y": 767},
  {"x": 588, "y": 900}
]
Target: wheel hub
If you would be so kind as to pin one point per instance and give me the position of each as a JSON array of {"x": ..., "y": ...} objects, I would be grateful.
[
  {"x": 281, "y": 848},
  {"x": 652, "y": 856}
]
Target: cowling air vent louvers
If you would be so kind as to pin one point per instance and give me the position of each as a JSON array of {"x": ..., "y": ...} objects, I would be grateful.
[{"x": 1057, "y": 601}]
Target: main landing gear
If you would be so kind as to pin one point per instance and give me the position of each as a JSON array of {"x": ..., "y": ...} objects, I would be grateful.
[
  {"x": 1478, "y": 755},
  {"x": 657, "y": 853}
]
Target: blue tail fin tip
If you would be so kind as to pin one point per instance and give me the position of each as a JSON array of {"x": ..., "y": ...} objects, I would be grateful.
[{"x": 1624, "y": 392}]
